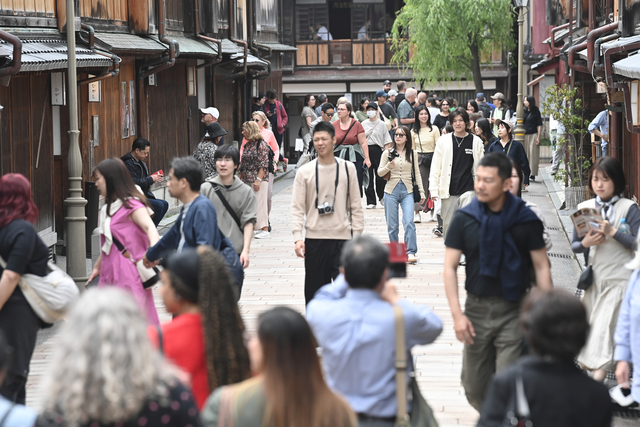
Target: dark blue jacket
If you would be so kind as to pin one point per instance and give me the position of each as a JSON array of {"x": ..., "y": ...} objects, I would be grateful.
[
  {"x": 515, "y": 150},
  {"x": 200, "y": 228}
]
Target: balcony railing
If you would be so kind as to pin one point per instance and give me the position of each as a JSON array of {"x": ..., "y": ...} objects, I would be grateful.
[
  {"x": 344, "y": 53},
  {"x": 358, "y": 53}
]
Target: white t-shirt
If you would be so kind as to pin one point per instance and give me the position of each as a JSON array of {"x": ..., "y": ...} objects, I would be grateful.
[
  {"x": 376, "y": 132},
  {"x": 324, "y": 34}
]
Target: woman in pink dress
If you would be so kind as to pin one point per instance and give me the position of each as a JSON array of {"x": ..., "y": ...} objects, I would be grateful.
[{"x": 125, "y": 216}]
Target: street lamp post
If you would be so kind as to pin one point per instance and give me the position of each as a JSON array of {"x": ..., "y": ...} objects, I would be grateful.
[
  {"x": 520, "y": 6},
  {"x": 76, "y": 217}
]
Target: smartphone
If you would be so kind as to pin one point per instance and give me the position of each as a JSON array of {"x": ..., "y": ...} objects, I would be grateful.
[
  {"x": 594, "y": 225},
  {"x": 397, "y": 259}
]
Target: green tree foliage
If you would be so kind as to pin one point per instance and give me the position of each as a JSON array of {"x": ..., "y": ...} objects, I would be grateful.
[
  {"x": 565, "y": 104},
  {"x": 447, "y": 38}
]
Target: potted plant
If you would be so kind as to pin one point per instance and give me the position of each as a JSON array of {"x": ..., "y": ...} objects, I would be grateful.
[{"x": 565, "y": 104}]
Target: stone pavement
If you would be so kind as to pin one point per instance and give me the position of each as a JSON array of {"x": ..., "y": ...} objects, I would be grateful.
[{"x": 275, "y": 277}]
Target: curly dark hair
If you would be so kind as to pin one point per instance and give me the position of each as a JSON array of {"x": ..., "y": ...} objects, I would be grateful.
[{"x": 227, "y": 358}]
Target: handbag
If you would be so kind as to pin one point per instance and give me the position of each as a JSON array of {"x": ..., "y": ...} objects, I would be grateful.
[
  {"x": 586, "y": 278},
  {"x": 421, "y": 413},
  {"x": 50, "y": 296},
  {"x": 416, "y": 188},
  {"x": 426, "y": 158},
  {"x": 148, "y": 276}
]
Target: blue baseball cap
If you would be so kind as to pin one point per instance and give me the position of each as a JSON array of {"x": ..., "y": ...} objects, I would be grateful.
[
  {"x": 381, "y": 93},
  {"x": 479, "y": 95}
]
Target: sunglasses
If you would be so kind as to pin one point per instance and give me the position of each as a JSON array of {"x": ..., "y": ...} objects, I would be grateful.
[
  {"x": 444, "y": 104},
  {"x": 257, "y": 120},
  {"x": 399, "y": 134}
]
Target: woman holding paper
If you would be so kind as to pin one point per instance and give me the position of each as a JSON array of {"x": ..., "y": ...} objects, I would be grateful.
[{"x": 607, "y": 248}]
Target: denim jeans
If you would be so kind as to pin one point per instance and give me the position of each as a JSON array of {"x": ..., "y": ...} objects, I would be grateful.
[
  {"x": 401, "y": 197},
  {"x": 160, "y": 208}
]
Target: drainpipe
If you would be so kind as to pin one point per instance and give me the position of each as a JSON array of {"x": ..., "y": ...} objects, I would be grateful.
[
  {"x": 614, "y": 136},
  {"x": 264, "y": 74},
  {"x": 571, "y": 54},
  {"x": 196, "y": 17},
  {"x": 92, "y": 35},
  {"x": 17, "y": 54},
  {"x": 598, "y": 67},
  {"x": 168, "y": 62},
  {"x": 608, "y": 75},
  {"x": 242, "y": 42},
  {"x": 593, "y": 36},
  {"x": 554, "y": 30},
  {"x": 114, "y": 71}
]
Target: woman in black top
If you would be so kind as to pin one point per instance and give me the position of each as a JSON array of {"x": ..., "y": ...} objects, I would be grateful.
[
  {"x": 558, "y": 394},
  {"x": 23, "y": 252},
  {"x": 532, "y": 129},
  {"x": 442, "y": 119},
  {"x": 483, "y": 130}
]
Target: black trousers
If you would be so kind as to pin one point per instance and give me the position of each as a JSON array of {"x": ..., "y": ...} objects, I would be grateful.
[
  {"x": 20, "y": 326},
  {"x": 375, "y": 154},
  {"x": 321, "y": 264}
]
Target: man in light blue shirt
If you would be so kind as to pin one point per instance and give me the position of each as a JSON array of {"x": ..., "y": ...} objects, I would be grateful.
[
  {"x": 352, "y": 318},
  {"x": 600, "y": 127}
]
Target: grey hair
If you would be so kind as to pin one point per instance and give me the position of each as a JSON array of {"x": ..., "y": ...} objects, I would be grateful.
[
  {"x": 411, "y": 91},
  {"x": 104, "y": 366}
]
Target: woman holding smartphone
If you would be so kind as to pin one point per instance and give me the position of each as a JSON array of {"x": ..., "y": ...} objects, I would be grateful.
[{"x": 608, "y": 247}]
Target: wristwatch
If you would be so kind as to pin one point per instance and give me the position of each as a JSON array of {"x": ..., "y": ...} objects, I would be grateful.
[{"x": 258, "y": 178}]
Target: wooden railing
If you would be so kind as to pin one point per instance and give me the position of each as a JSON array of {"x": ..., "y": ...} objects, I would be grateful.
[{"x": 360, "y": 53}]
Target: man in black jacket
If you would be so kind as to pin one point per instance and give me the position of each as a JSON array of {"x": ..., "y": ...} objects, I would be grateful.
[{"x": 140, "y": 174}]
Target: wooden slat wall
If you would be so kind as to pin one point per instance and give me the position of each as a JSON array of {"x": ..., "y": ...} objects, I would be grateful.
[
  {"x": 175, "y": 14},
  {"x": 226, "y": 103},
  {"x": 111, "y": 143},
  {"x": 26, "y": 101},
  {"x": 168, "y": 114},
  {"x": 115, "y": 11}
]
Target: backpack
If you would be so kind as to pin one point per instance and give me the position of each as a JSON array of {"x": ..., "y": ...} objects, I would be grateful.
[
  {"x": 271, "y": 155},
  {"x": 486, "y": 110}
]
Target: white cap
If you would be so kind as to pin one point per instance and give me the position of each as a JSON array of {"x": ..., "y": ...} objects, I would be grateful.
[
  {"x": 393, "y": 92},
  {"x": 211, "y": 110}
]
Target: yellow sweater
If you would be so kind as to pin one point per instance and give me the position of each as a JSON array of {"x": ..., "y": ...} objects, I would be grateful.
[
  {"x": 428, "y": 139},
  {"x": 348, "y": 215}
]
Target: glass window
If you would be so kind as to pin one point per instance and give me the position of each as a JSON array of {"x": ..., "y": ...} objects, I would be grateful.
[
  {"x": 368, "y": 22},
  {"x": 312, "y": 23}
]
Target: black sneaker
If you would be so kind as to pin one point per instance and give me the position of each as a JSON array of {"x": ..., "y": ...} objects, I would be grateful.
[
  {"x": 438, "y": 231},
  {"x": 532, "y": 177},
  {"x": 269, "y": 226}
]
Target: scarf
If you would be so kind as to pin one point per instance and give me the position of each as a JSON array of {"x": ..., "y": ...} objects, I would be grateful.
[
  {"x": 608, "y": 210},
  {"x": 104, "y": 224},
  {"x": 499, "y": 256}
]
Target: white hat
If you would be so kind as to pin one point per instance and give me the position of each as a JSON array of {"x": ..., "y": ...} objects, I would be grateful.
[
  {"x": 211, "y": 110},
  {"x": 393, "y": 92}
]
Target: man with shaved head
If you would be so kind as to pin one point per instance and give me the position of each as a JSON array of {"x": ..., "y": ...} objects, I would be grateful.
[{"x": 405, "y": 109}]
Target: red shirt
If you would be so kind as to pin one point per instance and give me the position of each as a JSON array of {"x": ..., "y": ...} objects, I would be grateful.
[
  {"x": 352, "y": 136},
  {"x": 183, "y": 344}
]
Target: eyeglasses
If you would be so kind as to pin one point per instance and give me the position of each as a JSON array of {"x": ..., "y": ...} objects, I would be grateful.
[
  {"x": 399, "y": 134},
  {"x": 444, "y": 104}
]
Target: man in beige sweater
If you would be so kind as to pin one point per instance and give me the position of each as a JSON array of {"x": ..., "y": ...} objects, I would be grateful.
[{"x": 326, "y": 204}]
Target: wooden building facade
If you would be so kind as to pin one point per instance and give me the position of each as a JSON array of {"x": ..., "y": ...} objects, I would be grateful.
[{"x": 145, "y": 67}]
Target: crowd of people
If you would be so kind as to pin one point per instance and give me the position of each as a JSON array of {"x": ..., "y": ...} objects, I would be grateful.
[{"x": 115, "y": 364}]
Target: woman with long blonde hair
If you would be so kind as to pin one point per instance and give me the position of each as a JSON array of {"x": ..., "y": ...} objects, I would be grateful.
[
  {"x": 253, "y": 171},
  {"x": 288, "y": 389},
  {"x": 263, "y": 123},
  {"x": 105, "y": 371}
]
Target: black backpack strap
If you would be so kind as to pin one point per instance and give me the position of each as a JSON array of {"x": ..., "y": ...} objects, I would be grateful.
[
  {"x": 226, "y": 204},
  {"x": 345, "y": 135},
  {"x": 349, "y": 213}
]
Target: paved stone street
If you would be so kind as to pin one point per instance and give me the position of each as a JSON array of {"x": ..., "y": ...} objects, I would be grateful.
[{"x": 275, "y": 277}]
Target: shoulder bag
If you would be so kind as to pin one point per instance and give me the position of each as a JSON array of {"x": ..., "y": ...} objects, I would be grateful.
[
  {"x": 50, "y": 296},
  {"x": 586, "y": 277},
  {"x": 518, "y": 412},
  {"x": 415, "y": 187},
  {"x": 148, "y": 276},
  {"x": 421, "y": 413},
  {"x": 218, "y": 191},
  {"x": 427, "y": 158}
]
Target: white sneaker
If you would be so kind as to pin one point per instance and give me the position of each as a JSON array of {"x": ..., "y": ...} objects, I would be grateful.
[
  {"x": 411, "y": 259},
  {"x": 416, "y": 217},
  {"x": 261, "y": 234},
  {"x": 371, "y": 206}
]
